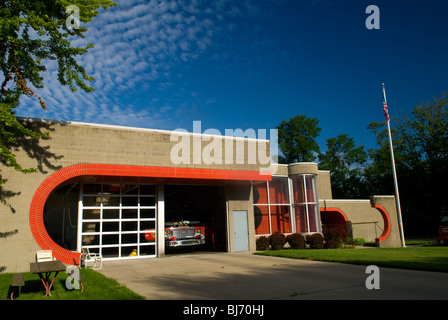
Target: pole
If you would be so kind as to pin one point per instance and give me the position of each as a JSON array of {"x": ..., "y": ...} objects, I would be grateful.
[{"x": 397, "y": 195}]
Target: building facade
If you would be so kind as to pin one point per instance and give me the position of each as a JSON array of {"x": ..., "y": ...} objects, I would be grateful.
[{"x": 108, "y": 187}]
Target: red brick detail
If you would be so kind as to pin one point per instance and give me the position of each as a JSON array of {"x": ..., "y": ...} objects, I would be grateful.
[{"x": 49, "y": 184}]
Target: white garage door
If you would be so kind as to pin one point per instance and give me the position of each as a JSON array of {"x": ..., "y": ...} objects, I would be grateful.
[{"x": 118, "y": 220}]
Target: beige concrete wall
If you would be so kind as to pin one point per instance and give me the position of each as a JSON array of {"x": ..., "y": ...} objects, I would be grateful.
[
  {"x": 87, "y": 143},
  {"x": 366, "y": 221},
  {"x": 303, "y": 168},
  {"x": 282, "y": 170},
  {"x": 18, "y": 249},
  {"x": 324, "y": 185},
  {"x": 389, "y": 203}
]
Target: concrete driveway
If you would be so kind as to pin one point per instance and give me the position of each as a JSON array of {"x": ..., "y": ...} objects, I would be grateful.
[{"x": 244, "y": 276}]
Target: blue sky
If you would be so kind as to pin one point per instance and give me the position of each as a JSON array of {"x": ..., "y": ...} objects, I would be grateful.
[{"x": 253, "y": 63}]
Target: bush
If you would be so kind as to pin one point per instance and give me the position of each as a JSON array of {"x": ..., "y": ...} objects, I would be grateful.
[
  {"x": 359, "y": 241},
  {"x": 277, "y": 240},
  {"x": 262, "y": 243},
  {"x": 332, "y": 238},
  {"x": 315, "y": 241},
  {"x": 296, "y": 241},
  {"x": 348, "y": 240}
]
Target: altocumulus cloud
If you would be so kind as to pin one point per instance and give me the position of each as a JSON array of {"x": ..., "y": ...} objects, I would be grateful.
[{"x": 138, "y": 45}]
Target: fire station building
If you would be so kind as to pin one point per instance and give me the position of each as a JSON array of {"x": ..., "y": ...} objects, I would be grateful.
[{"x": 108, "y": 187}]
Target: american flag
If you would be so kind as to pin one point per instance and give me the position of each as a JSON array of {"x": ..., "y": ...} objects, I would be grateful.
[{"x": 386, "y": 111}]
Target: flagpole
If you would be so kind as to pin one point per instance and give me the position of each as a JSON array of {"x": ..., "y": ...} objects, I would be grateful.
[{"x": 397, "y": 195}]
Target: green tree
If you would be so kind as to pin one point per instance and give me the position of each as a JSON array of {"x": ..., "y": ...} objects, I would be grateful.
[
  {"x": 297, "y": 139},
  {"x": 33, "y": 32},
  {"x": 378, "y": 175},
  {"x": 421, "y": 155},
  {"x": 423, "y": 149},
  {"x": 346, "y": 163}
]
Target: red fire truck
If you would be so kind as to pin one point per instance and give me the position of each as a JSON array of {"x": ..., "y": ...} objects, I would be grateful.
[{"x": 180, "y": 234}]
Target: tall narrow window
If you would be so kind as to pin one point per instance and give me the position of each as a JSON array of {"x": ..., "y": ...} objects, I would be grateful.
[
  {"x": 261, "y": 208},
  {"x": 306, "y": 203}
]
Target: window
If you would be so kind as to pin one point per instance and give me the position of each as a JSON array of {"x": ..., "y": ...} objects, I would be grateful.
[
  {"x": 115, "y": 218},
  {"x": 306, "y": 205},
  {"x": 272, "y": 207},
  {"x": 274, "y": 210}
]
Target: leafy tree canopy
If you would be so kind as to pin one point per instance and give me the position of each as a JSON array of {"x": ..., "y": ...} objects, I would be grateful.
[
  {"x": 297, "y": 139},
  {"x": 346, "y": 163},
  {"x": 33, "y": 32}
]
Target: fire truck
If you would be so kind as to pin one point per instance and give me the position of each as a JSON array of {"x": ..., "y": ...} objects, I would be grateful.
[
  {"x": 443, "y": 232},
  {"x": 180, "y": 234}
]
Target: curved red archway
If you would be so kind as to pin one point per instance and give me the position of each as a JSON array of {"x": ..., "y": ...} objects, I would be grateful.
[
  {"x": 386, "y": 220},
  {"x": 334, "y": 217},
  {"x": 36, "y": 220}
]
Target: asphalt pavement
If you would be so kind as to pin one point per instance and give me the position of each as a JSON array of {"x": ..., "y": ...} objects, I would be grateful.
[{"x": 245, "y": 276}]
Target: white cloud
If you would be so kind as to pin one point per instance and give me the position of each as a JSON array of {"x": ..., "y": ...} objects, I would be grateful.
[{"x": 137, "y": 45}]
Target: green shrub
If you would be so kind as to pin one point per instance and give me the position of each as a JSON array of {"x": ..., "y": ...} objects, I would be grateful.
[
  {"x": 348, "y": 240},
  {"x": 277, "y": 240},
  {"x": 296, "y": 241},
  {"x": 315, "y": 241},
  {"x": 262, "y": 243},
  {"x": 359, "y": 241}
]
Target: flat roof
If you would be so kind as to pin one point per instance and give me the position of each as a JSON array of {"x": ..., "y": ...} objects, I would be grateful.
[{"x": 179, "y": 131}]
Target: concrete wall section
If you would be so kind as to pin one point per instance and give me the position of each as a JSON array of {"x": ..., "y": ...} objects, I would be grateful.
[
  {"x": 374, "y": 220},
  {"x": 239, "y": 198},
  {"x": 388, "y": 205},
  {"x": 303, "y": 168},
  {"x": 324, "y": 185},
  {"x": 365, "y": 222},
  {"x": 75, "y": 143}
]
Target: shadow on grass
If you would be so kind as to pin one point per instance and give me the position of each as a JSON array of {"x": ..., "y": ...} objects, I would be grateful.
[{"x": 32, "y": 287}]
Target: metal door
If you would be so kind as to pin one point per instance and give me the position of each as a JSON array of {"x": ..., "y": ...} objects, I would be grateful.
[{"x": 241, "y": 233}]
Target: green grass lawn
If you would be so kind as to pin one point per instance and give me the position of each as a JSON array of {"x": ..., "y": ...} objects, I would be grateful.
[
  {"x": 416, "y": 258},
  {"x": 96, "y": 287}
]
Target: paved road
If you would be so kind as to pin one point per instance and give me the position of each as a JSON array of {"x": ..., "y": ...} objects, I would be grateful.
[{"x": 243, "y": 276}]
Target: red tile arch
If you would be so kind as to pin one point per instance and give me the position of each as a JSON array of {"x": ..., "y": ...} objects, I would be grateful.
[
  {"x": 387, "y": 224},
  {"x": 341, "y": 213},
  {"x": 36, "y": 220}
]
